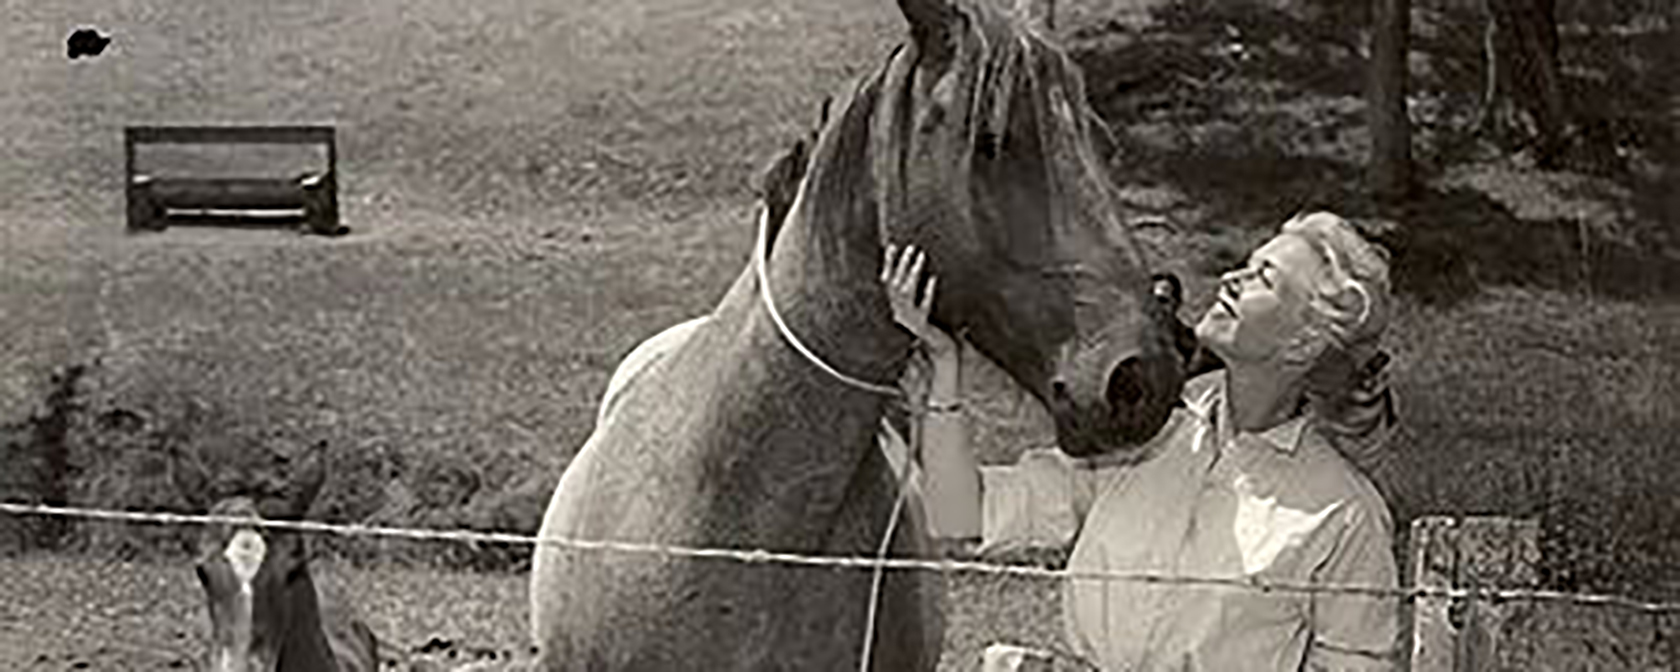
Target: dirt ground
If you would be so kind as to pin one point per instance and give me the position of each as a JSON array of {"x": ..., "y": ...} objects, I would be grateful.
[{"x": 84, "y": 614}]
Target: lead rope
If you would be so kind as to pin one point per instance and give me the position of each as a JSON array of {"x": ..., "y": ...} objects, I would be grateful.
[
  {"x": 880, "y": 557},
  {"x": 760, "y": 260}
]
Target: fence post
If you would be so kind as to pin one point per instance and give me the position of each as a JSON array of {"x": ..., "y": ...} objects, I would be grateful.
[
  {"x": 1431, "y": 554},
  {"x": 1477, "y": 553},
  {"x": 1470, "y": 651}
]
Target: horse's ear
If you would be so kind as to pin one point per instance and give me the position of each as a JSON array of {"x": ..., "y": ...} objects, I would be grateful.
[
  {"x": 930, "y": 23},
  {"x": 1040, "y": 14},
  {"x": 779, "y": 183},
  {"x": 307, "y": 479}
]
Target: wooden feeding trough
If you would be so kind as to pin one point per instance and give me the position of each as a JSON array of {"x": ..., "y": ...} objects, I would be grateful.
[{"x": 310, "y": 199}]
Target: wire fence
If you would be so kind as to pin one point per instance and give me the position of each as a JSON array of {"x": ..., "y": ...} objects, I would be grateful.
[{"x": 762, "y": 556}]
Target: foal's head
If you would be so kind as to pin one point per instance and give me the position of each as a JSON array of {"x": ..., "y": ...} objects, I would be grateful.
[{"x": 261, "y": 596}]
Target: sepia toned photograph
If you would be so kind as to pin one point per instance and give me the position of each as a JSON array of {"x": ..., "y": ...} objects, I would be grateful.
[{"x": 840, "y": 335}]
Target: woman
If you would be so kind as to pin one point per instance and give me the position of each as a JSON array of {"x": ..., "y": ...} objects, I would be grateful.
[{"x": 1249, "y": 480}]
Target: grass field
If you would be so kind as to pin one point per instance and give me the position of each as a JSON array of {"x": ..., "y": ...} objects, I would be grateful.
[{"x": 536, "y": 187}]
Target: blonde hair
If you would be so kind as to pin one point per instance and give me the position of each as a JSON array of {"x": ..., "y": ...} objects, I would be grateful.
[
  {"x": 1350, "y": 299},
  {"x": 1347, "y": 386}
]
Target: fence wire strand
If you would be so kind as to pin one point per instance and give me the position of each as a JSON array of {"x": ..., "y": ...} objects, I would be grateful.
[{"x": 762, "y": 556}]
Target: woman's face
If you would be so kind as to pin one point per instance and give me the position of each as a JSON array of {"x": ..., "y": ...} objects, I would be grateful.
[{"x": 1264, "y": 305}]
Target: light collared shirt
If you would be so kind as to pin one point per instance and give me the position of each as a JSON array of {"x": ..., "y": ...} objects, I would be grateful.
[{"x": 1279, "y": 505}]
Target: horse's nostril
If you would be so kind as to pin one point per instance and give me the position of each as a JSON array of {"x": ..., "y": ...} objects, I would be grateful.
[
  {"x": 1059, "y": 387},
  {"x": 1125, "y": 384}
]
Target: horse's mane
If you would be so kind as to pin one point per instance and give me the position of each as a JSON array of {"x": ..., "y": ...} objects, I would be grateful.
[{"x": 779, "y": 183}]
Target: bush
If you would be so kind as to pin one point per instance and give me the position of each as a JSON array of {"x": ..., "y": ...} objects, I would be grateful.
[{"x": 169, "y": 451}]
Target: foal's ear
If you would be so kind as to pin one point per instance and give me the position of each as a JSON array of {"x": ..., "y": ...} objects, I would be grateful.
[{"x": 307, "y": 480}]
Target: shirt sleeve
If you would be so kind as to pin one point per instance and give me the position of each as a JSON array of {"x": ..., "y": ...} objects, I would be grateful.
[
  {"x": 1037, "y": 503},
  {"x": 1353, "y": 632}
]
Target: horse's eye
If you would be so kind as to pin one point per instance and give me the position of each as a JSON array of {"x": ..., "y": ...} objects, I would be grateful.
[
  {"x": 932, "y": 117},
  {"x": 295, "y": 573},
  {"x": 298, "y": 565},
  {"x": 987, "y": 144}
]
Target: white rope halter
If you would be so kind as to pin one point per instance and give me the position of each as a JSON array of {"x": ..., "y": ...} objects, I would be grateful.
[{"x": 761, "y": 258}]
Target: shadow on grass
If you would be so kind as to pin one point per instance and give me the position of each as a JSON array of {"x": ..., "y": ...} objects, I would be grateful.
[
  {"x": 1447, "y": 241},
  {"x": 1452, "y": 241},
  {"x": 1254, "y": 114}
]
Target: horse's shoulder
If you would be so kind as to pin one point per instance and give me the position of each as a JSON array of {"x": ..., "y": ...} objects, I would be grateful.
[{"x": 643, "y": 356}]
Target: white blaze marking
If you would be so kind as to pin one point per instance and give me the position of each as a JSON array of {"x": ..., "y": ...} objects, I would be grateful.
[{"x": 245, "y": 553}]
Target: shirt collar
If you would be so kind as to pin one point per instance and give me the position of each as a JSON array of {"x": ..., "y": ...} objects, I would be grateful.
[{"x": 1285, "y": 437}]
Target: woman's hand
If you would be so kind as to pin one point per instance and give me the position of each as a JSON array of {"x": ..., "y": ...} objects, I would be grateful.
[
  {"x": 950, "y": 474},
  {"x": 902, "y": 274}
]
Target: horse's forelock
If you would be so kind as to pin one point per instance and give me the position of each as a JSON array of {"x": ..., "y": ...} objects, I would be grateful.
[
  {"x": 235, "y": 507},
  {"x": 213, "y": 539},
  {"x": 1002, "y": 62}
]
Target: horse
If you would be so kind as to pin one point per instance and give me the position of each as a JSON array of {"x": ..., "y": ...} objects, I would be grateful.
[
  {"x": 266, "y": 613},
  {"x": 754, "y": 426}
]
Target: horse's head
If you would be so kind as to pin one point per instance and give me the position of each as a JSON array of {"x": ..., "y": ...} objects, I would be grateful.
[
  {"x": 987, "y": 155},
  {"x": 257, "y": 584}
]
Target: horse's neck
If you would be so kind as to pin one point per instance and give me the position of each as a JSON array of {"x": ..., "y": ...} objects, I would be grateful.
[
  {"x": 305, "y": 647},
  {"x": 763, "y": 408},
  {"x": 825, "y": 284},
  {"x": 774, "y": 411},
  {"x": 825, "y": 268}
]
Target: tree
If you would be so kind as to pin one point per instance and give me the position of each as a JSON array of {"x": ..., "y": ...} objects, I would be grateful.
[
  {"x": 1391, "y": 142},
  {"x": 1524, "y": 65}
]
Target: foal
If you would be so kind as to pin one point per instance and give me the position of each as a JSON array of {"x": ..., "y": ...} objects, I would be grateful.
[{"x": 265, "y": 612}]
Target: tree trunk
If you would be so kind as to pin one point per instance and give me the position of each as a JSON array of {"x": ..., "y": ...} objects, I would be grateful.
[
  {"x": 1391, "y": 142},
  {"x": 1527, "y": 65}
]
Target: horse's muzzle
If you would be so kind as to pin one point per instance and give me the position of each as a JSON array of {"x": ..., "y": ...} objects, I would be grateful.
[{"x": 1133, "y": 404}]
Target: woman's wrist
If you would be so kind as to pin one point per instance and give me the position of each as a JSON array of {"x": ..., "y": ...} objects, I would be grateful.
[
  {"x": 946, "y": 386},
  {"x": 938, "y": 344}
]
